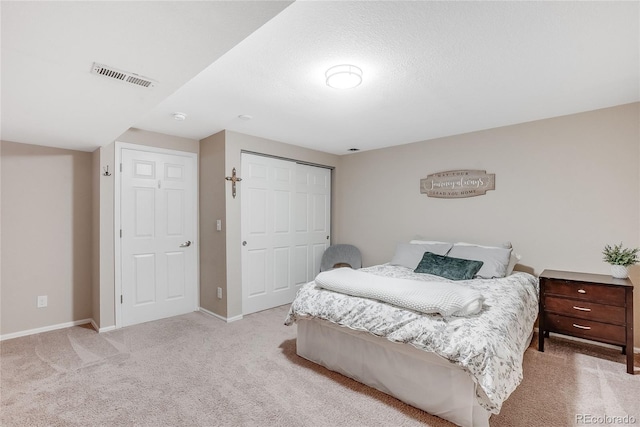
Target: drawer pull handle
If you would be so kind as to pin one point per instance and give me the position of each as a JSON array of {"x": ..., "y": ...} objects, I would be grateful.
[
  {"x": 582, "y": 291},
  {"x": 581, "y": 327},
  {"x": 581, "y": 308}
]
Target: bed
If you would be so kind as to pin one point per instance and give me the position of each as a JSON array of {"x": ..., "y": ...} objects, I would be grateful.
[{"x": 458, "y": 367}]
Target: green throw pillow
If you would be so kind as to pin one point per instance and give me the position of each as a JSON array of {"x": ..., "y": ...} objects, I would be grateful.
[{"x": 448, "y": 267}]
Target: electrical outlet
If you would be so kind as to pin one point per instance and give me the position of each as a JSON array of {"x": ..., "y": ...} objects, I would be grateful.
[
  {"x": 219, "y": 293},
  {"x": 219, "y": 225},
  {"x": 42, "y": 301}
]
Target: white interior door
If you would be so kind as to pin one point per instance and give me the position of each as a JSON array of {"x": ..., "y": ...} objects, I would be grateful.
[
  {"x": 285, "y": 222},
  {"x": 158, "y": 215}
]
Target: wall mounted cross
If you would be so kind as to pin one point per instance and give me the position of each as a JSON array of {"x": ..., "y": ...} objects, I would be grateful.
[{"x": 233, "y": 178}]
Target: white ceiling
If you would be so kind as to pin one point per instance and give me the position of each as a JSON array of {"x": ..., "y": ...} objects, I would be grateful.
[
  {"x": 49, "y": 96},
  {"x": 431, "y": 69}
]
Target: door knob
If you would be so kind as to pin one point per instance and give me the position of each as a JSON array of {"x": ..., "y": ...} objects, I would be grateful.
[
  {"x": 186, "y": 244},
  {"x": 244, "y": 243}
]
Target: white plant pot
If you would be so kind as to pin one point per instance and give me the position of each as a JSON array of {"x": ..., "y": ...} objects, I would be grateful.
[{"x": 619, "y": 271}]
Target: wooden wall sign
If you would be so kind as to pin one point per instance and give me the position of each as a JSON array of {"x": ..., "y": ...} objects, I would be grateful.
[{"x": 458, "y": 184}]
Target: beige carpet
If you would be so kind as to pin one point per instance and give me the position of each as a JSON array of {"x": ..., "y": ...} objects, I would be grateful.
[{"x": 195, "y": 370}]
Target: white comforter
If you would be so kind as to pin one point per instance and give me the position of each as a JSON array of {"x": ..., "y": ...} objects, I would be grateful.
[
  {"x": 489, "y": 345},
  {"x": 448, "y": 299}
]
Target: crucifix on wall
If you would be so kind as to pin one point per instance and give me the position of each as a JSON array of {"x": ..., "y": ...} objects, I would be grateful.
[{"x": 233, "y": 178}]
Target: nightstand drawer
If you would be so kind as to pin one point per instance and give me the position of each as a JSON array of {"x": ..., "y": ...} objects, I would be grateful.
[
  {"x": 585, "y": 310},
  {"x": 584, "y": 291},
  {"x": 588, "y": 329}
]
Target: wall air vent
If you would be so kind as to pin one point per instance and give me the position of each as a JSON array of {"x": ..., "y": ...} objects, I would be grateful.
[{"x": 123, "y": 76}]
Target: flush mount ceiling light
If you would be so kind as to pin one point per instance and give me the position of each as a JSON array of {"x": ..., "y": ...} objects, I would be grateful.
[
  {"x": 179, "y": 116},
  {"x": 343, "y": 76}
]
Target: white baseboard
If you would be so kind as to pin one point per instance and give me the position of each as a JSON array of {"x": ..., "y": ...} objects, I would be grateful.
[
  {"x": 234, "y": 318},
  {"x": 45, "y": 329},
  {"x": 225, "y": 319},
  {"x": 101, "y": 330},
  {"x": 601, "y": 344}
]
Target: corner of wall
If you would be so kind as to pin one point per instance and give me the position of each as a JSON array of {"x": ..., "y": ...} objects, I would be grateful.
[
  {"x": 0, "y": 231},
  {"x": 212, "y": 208},
  {"x": 95, "y": 236},
  {"x": 106, "y": 240}
]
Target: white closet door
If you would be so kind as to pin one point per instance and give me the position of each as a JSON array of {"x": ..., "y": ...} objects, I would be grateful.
[
  {"x": 158, "y": 220},
  {"x": 285, "y": 222},
  {"x": 313, "y": 226},
  {"x": 268, "y": 188}
]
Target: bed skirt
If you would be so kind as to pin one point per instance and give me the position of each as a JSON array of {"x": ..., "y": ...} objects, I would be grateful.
[{"x": 419, "y": 378}]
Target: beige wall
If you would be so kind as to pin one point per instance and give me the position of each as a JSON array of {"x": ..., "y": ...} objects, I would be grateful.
[
  {"x": 213, "y": 260},
  {"x": 235, "y": 144},
  {"x": 71, "y": 210},
  {"x": 159, "y": 140},
  {"x": 565, "y": 187},
  {"x": 46, "y": 222}
]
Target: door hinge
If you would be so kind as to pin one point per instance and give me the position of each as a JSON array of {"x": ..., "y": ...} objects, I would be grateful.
[
  {"x": 121, "y": 233},
  {"x": 121, "y": 299},
  {"x": 120, "y": 167}
]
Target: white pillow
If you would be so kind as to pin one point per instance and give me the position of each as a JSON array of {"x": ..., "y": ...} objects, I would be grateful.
[
  {"x": 495, "y": 259},
  {"x": 513, "y": 260},
  {"x": 409, "y": 255},
  {"x": 429, "y": 242},
  {"x": 504, "y": 245}
]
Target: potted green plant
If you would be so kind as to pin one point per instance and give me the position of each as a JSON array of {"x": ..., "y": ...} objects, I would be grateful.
[{"x": 620, "y": 259}]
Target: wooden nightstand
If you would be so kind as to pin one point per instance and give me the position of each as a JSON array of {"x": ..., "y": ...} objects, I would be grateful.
[{"x": 590, "y": 306}]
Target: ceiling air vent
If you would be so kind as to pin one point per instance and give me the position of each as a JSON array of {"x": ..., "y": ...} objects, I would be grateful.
[{"x": 124, "y": 76}]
